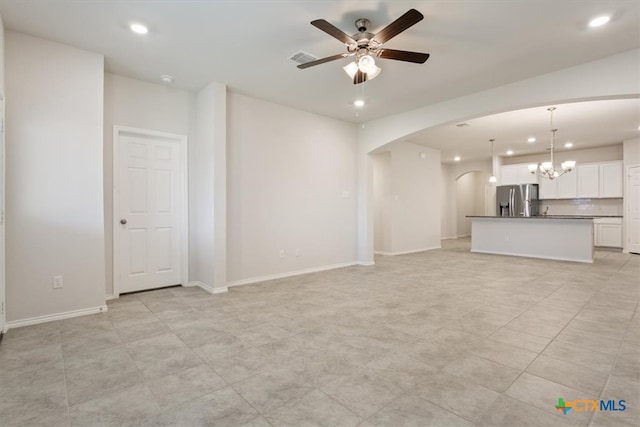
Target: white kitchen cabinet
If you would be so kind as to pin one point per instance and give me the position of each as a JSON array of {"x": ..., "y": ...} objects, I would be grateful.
[
  {"x": 607, "y": 232},
  {"x": 588, "y": 180},
  {"x": 517, "y": 174},
  {"x": 563, "y": 187},
  {"x": 610, "y": 179},
  {"x": 526, "y": 177},
  {"x": 548, "y": 189},
  {"x": 509, "y": 175},
  {"x": 567, "y": 185}
]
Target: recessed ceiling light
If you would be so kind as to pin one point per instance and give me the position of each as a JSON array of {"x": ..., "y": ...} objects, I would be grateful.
[
  {"x": 568, "y": 145},
  {"x": 509, "y": 152},
  {"x": 531, "y": 139},
  {"x": 139, "y": 29},
  {"x": 456, "y": 159},
  {"x": 166, "y": 78},
  {"x": 599, "y": 21},
  {"x": 358, "y": 103}
]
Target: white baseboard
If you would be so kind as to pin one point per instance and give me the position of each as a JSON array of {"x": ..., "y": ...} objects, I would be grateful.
[
  {"x": 207, "y": 288},
  {"x": 289, "y": 274},
  {"x": 448, "y": 238},
  {"x": 109, "y": 297},
  {"x": 366, "y": 264},
  {"x": 463, "y": 235},
  {"x": 412, "y": 251},
  {"x": 57, "y": 316}
]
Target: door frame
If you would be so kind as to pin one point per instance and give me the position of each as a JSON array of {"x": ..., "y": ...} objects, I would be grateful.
[
  {"x": 3, "y": 305},
  {"x": 626, "y": 223},
  {"x": 181, "y": 140}
]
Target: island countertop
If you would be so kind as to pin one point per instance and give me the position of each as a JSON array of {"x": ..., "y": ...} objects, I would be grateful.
[{"x": 539, "y": 217}]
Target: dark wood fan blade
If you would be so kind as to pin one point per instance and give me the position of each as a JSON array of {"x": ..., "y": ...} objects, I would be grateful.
[
  {"x": 322, "y": 60},
  {"x": 407, "y": 20},
  {"x": 360, "y": 77},
  {"x": 332, "y": 31},
  {"x": 403, "y": 55}
]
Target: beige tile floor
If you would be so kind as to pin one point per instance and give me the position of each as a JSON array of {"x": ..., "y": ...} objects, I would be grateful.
[{"x": 441, "y": 338}]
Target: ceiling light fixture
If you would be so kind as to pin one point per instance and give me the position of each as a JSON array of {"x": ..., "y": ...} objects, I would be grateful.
[
  {"x": 358, "y": 103},
  {"x": 509, "y": 152},
  {"x": 139, "y": 28},
  {"x": 456, "y": 159},
  {"x": 364, "y": 63},
  {"x": 531, "y": 139},
  {"x": 166, "y": 78},
  {"x": 546, "y": 169},
  {"x": 492, "y": 178},
  {"x": 599, "y": 21},
  {"x": 568, "y": 145}
]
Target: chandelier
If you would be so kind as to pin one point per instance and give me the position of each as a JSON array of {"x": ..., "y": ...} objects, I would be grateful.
[{"x": 547, "y": 169}]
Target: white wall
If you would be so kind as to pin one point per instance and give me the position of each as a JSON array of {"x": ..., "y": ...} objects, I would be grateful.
[
  {"x": 410, "y": 186},
  {"x": 631, "y": 152},
  {"x": 54, "y": 194},
  {"x": 470, "y": 199},
  {"x": 383, "y": 201},
  {"x": 287, "y": 171},
  {"x": 208, "y": 189},
  {"x": 448, "y": 203},
  {"x": 134, "y": 103},
  {"x": 417, "y": 190}
]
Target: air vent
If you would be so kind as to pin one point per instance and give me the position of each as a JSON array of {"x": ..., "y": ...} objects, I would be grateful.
[
  {"x": 302, "y": 57},
  {"x": 463, "y": 125}
]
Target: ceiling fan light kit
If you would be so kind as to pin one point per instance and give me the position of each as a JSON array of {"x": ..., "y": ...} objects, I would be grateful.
[{"x": 365, "y": 46}]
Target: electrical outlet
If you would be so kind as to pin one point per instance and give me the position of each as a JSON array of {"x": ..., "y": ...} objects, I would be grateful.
[
  {"x": 57, "y": 282},
  {"x": 281, "y": 253}
]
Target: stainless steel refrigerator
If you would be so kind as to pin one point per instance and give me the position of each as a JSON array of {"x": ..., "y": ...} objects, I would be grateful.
[{"x": 517, "y": 200}]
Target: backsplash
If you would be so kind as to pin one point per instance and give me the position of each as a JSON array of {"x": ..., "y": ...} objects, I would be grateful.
[{"x": 595, "y": 207}]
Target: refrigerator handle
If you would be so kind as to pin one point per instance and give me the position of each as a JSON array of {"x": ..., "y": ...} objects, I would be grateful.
[{"x": 512, "y": 200}]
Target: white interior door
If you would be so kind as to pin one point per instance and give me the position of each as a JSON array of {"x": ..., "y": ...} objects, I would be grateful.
[
  {"x": 633, "y": 222},
  {"x": 149, "y": 192}
]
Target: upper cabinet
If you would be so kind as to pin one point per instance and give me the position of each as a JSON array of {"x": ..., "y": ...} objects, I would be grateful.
[
  {"x": 586, "y": 181},
  {"x": 517, "y": 174},
  {"x": 567, "y": 185},
  {"x": 611, "y": 179},
  {"x": 600, "y": 180}
]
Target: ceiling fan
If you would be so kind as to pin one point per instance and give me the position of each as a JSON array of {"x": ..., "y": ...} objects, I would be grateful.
[{"x": 364, "y": 46}]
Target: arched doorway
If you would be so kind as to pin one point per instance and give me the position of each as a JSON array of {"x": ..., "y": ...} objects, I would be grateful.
[{"x": 472, "y": 197}]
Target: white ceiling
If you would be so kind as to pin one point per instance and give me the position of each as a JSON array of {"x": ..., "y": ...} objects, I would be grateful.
[
  {"x": 474, "y": 45},
  {"x": 585, "y": 124}
]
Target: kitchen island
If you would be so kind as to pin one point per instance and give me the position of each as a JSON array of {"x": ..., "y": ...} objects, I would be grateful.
[{"x": 566, "y": 238}]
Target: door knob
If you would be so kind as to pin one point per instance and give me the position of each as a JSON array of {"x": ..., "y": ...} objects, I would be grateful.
[{"x": 123, "y": 221}]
